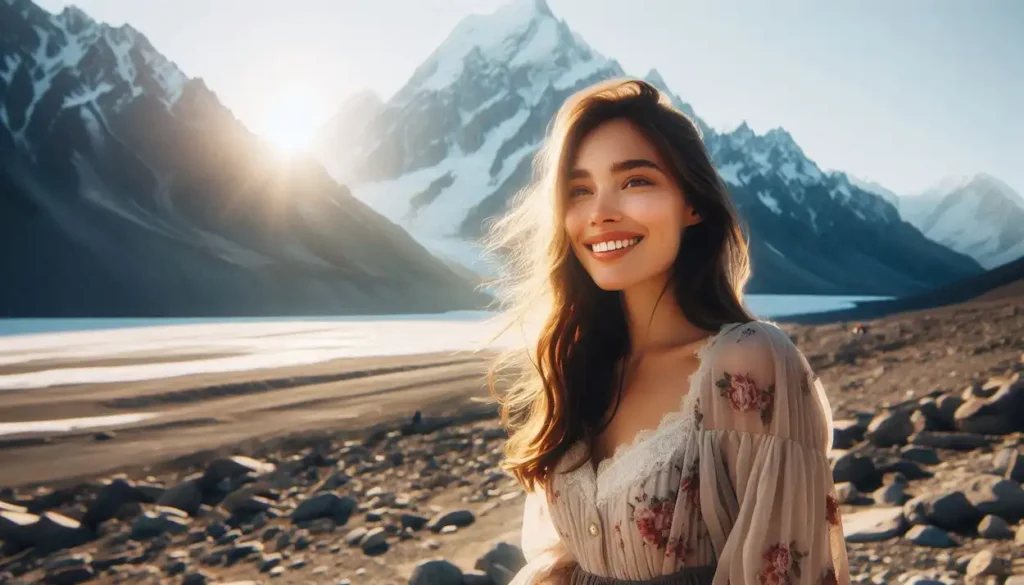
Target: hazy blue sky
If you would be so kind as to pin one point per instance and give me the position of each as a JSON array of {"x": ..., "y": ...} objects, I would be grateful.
[{"x": 901, "y": 92}]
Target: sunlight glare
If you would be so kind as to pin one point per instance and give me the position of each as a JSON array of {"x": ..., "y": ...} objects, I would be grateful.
[{"x": 291, "y": 121}]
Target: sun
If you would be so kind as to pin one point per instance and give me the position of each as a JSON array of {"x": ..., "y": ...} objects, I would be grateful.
[{"x": 291, "y": 121}]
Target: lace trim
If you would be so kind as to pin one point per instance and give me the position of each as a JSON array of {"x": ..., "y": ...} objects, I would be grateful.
[{"x": 650, "y": 449}]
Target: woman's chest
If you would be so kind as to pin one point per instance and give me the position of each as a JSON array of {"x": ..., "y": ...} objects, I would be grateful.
[{"x": 650, "y": 393}]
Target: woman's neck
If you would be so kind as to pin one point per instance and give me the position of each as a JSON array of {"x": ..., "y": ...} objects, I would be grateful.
[{"x": 655, "y": 320}]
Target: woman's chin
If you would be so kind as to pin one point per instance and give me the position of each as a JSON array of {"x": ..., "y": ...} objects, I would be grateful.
[{"x": 614, "y": 283}]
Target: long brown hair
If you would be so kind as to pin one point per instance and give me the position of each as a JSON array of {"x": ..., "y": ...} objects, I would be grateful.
[{"x": 563, "y": 384}]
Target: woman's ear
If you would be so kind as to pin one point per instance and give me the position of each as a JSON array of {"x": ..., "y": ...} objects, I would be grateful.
[{"x": 693, "y": 218}]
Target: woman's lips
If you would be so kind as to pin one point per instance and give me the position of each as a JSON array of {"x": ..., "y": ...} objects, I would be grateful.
[{"x": 613, "y": 249}]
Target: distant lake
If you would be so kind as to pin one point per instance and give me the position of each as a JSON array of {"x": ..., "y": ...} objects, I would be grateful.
[
  {"x": 769, "y": 306},
  {"x": 79, "y": 351}
]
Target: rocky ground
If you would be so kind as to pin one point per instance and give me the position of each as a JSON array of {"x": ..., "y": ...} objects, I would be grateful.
[{"x": 929, "y": 462}]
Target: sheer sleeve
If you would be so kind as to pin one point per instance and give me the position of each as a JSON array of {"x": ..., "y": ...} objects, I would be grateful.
[
  {"x": 548, "y": 560},
  {"x": 769, "y": 501}
]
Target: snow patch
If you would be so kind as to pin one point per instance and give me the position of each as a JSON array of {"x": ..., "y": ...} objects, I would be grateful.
[
  {"x": 93, "y": 126},
  {"x": 84, "y": 96},
  {"x": 10, "y": 65},
  {"x": 489, "y": 33},
  {"x": 472, "y": 183},
  {"x": 542, "y": 43},
  {"x": 730, "y": 173},
  {"x": 769, "y": 202},
  {"x": 581, "y": 72},
  {"x": 774, "y": 249}
]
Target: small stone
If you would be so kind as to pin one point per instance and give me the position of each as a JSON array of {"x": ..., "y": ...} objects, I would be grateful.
[
  {"x": 229, "y": 537},
  {"x": 269, "y": 561},
  {"x": 501, "y": 563},
  {"x": 890, "y": 428},
  {"x": 413, "y": 521},
  {"x": 70, "y": 575},
  {"x": 436, "y": 572},
  {"x": 878, "y": 525},
  {"x": 930, "y": 536},
  {"x": 458, "y": 518},
  {"x": 176, "y": 568},
  {"x": 243, "y": 550},
  {"x": 355, "y": 536},
  {"x": 449, "y": 529},
  {"x": 985, "y": 563},
  {"x": 991, "y": 494},
  {"x": 277, "y": 571},
  {"x": 891, "y": 495},
  {"x": 1010, "y": 464},
  {"x": 326, "y": 504},
  {"x": 322, "y": 569},
  {"x": 924, "y": 455},
  {"x": 375, "y": 542},
  {"x": 994, "y": 527},
  {"x": 217, "y": 529},
  {"x": 197, "y": 578}
]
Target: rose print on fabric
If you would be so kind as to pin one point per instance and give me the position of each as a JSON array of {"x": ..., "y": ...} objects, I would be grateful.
[
  {"x": 553, "y": 496},
  {"x": 698, "y": 416},
  {"x": 677, "y": 547},
  {"x": 745, "y": 396},
  {"x": 690, "y": 484},
  {"x": 747, "y": 332},
  {"x": 652, "y": 516},
  {"x": 653, "y": 519},
  {"x": 832, "y": 510},
  {"x": 781, "y": 564},
  {"x": 829, "y": 577}
]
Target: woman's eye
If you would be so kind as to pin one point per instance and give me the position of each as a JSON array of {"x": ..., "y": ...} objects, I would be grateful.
[
  {"x": 637, "y": 182},
  {"x": 577, "y": 191}
]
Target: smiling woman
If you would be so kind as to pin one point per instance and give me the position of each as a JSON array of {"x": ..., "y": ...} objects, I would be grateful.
[{"x": 291, "y": 120}]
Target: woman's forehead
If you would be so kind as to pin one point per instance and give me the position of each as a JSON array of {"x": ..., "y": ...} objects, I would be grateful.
[{"x": 613, "y": 142}]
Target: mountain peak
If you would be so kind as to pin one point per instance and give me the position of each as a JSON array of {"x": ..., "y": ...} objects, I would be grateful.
[
  {"x": 743, "y": 132},
  {"x": 542, "y": 8},
  {"x": 654, "y": 78},
  {"x": 986, "y": 182},
  {"x": 781, "y": 137},
  {"x": 74, "y": 20}
]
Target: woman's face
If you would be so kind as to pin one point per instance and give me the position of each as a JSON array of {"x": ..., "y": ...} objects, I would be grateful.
[{"x": 624, "y": 215}]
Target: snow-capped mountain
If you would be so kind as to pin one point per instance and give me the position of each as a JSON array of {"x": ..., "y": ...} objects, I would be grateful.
[
  {"x": 876, "y": 188},
  {"x": 445, "y": 153},
  {"x": 126, "y": 188},
  {"x": 977, "y": 215}
]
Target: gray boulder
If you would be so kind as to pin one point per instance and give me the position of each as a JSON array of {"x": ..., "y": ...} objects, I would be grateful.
[{"x": 436, "y": 572}]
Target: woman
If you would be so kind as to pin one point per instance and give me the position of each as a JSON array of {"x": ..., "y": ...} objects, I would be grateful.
[{"x": 662, "y": 433}]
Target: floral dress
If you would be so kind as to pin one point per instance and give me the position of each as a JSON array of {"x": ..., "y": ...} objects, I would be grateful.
[{"x": 737, "y": 481}]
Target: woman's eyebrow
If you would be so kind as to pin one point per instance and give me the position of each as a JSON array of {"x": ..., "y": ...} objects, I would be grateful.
[
  {"x": 625, "y": 165},
  {"x": 635, "y": 163}
]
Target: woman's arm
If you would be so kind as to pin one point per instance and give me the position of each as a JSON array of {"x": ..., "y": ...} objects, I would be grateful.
[
  {"x": 770, "y": 502},
  {"x": 548, "y": 560}
]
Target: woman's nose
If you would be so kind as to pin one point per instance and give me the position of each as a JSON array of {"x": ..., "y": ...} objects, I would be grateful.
[{"x": 605, "y": 209}]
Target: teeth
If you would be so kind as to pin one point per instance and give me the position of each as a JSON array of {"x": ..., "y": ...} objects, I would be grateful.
[{"x": 615, "y": 244}]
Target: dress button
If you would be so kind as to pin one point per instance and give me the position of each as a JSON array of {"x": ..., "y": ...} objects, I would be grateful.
[{"x": 593, "y": 529}]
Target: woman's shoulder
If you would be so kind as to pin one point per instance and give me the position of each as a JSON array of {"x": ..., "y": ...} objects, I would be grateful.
[{"x": 758, "y": 338}]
